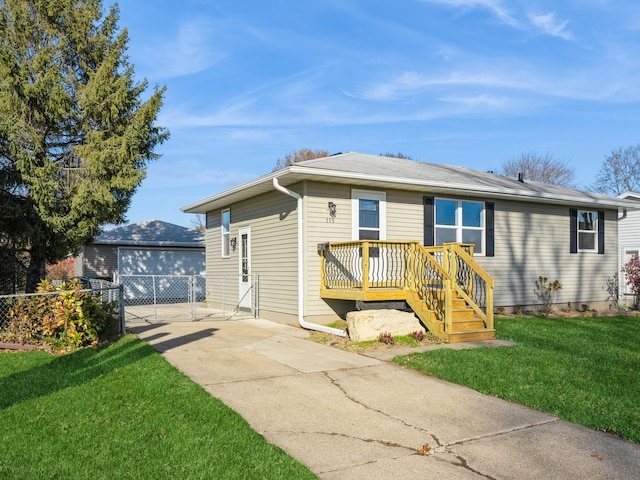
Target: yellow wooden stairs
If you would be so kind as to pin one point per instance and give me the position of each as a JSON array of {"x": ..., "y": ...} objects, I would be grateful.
[
  {"x": 444, "y": 285},
  {"x": 466, "y": 324}
]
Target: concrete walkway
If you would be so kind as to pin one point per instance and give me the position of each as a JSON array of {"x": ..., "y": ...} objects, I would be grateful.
[{"x": 349, "y": 416}]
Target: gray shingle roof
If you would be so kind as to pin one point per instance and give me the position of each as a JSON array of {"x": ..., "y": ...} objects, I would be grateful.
[
  {"x": 152, "y": 233},
  {"x": 381, "y": 172}
]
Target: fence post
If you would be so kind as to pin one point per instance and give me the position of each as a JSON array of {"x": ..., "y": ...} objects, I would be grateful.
[
  {"x": 155, "y": 299},
  {"x": 256, "y": 300},
  {"x": 123, "y": 323},
  {"x": 190, "y": 296}
]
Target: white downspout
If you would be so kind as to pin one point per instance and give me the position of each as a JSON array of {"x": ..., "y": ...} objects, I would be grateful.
[{"x": 301, "y": 320}]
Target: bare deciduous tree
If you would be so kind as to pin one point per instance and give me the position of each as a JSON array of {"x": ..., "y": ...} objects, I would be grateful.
[
  {"x": 199, "y": 222},
  {"x": 540, "y": 168},
  {"x": 620, "y": 172},
  {"x": 301, "y": 155},
  {"x": 396, "y": 155}
]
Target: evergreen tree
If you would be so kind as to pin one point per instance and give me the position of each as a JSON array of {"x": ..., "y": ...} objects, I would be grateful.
[{"x": 75, "y": 130}]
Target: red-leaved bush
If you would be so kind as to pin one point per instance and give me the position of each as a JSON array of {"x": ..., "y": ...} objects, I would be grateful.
[
  {"x": 631, "y": 270},
  {"x": 63, "y": 270}
]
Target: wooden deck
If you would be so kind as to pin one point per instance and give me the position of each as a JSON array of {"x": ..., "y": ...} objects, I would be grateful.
[{"x": 450, "y": 293}]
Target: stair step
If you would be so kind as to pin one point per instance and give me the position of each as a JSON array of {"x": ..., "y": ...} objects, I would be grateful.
[
  {"x": 460, "y": 313},
  {"x": 466, "y": 325},
  {"x": 472, "y": 335}
]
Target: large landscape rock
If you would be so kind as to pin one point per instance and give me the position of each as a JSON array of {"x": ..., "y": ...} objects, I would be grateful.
[{"x": 369, "y": 324}]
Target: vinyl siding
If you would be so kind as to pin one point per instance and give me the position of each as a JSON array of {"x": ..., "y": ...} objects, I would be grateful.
[
  {"x": 97, "y": 261},
  {"x": 321, "y": 228},
  {"x": 404, "y": 222},
  {"x": 405, "y": 216},
  {"x": 532, "y": 240},
  {"x": 629, "y": 239},
  {"x": 272, "y": 218}
]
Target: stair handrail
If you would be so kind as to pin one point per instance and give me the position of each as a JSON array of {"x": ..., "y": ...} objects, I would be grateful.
[
  {"x": 455, "y": 251},
  {"x": 442, "y": 306}
]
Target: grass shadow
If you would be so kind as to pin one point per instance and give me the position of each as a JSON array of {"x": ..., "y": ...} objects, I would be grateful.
[{"x": 32, "y": 379}]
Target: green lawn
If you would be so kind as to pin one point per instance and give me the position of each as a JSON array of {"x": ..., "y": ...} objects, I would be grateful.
[
  {"x": 123, "y": 412},
  {"x": 585, "y": 370}
]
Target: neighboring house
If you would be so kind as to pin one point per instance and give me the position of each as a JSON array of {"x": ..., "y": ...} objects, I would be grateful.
[
  {"x": 629, "y": 242},
  {"x": 147, "y": 248},
  {"x": 520, "y": 230}
]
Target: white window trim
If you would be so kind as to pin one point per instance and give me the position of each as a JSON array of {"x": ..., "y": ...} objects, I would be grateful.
[
  {"x": 458, "y": 226},
  {"x": 225, "y": 237},
  {"x": 356, "y": 196},
  {"x": 591, "y": 232}
]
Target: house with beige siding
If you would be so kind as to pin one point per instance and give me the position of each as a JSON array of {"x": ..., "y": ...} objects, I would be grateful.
[
  {"x": 628, "y": 243},
  {"x": 318, "y": 231}
]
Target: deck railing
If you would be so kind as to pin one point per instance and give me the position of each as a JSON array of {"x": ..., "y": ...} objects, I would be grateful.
[
  {"x": 434, "y": 273},
  {"x": 365, "y": 265}
]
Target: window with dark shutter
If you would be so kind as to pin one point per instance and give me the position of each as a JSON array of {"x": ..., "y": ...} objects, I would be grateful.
[
  {"x": 601, "y": 232},
  {"x": 463, "y": 221},
  {"x": 586, "y": 233},
  {"x": 489, "y": 209},
  {"x": 428, "y": 221}
]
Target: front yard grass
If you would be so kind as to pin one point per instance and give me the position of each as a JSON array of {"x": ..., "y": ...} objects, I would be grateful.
[
  {"x": 123, "y": 412},
  {"x": 585, "y": 370}
]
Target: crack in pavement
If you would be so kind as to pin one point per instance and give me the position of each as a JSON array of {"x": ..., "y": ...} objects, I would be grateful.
[
  {"x": 439, "y": 448},
  {"x": 502, "y": 432},
  {"x": 368, "y": 407},
  {"x": 386, "y": 443}
]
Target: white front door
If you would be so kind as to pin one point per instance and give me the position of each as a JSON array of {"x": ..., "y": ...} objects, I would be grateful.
[
  {"x": 369, "y": 223},
  {"x": 244, "y": 302}
]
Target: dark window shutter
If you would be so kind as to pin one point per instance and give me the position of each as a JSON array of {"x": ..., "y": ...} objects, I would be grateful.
[
  {"x": 429, "y": 237},
  {"x": 601, "y": 232},
  {"x": 573, "y": 230},
  {"x": 489, "y": 208}
]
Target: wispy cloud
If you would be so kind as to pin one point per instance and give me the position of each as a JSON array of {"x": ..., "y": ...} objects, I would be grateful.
[
  {"x": 189, "y": 49},
  {"x": 414, "y": 83},
  {"x": 544, "y": 22},
  {"x": 548, "y": 24},
  {"x": 478, "y": 101},
  {"x": 495, "y": 7},
  {"x": 184, "y": 173}
]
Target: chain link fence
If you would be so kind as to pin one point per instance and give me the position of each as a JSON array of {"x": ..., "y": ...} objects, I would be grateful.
[
  {"x": 164, "y": 298},
  {"x": 103, "y": 290}
]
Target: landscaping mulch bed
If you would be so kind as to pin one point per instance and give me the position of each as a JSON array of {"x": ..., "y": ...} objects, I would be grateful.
[{"x": 21, "y": 347}]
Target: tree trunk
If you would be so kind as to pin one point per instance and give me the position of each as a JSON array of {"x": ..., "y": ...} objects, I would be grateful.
[{"x": 37, "y": 270}]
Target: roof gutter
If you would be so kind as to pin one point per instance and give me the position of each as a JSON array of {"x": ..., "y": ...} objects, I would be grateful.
[{"x": 303, "y": 323}]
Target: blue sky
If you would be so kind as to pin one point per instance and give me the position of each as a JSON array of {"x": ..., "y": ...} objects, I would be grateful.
[{"x": 462, "y": 82}]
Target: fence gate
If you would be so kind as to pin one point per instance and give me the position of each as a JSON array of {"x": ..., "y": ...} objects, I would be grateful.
[{"x": 163, "y": 298}]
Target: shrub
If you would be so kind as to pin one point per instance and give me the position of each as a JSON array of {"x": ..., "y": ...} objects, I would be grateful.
[
  {"x": 64, "y": 317},
  {"x": 611, "y": 287},
  {"x": 631, "y": 270},
  {"x": 546, "y": 292},
  {"x": 63, "y": 270},
  {"x": 386, "y": 337},
  {"x": 418, "y": 335}
]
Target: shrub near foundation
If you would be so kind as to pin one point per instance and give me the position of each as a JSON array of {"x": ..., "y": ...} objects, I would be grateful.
[{"x": 67, "y": 317}]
